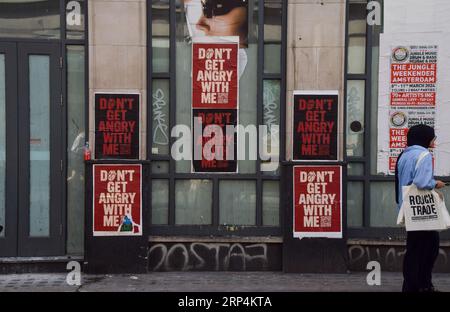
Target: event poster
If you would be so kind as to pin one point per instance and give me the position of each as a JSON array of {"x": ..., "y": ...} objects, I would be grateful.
[
  {"x": 117, "y": 126},
  {"x": 412, "y": 94},
  {"x": 117, "y": 209},
  {"x": 317, "y": 201},
  {"x": 409, "y": 94},
  {"x": 315, "y": 126},
  {"x": 215, "y": 102}
]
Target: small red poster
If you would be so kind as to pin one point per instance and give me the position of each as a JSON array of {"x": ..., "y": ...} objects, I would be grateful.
[
  {"x": 117, "y": 126},
  {"x": 215, "y": 75},
  {"x": 315, "y": 126},
  {"x": 117, "y": 207},
  {"x": 220, "y": 157},
  {"x": 317, "y": 201}
]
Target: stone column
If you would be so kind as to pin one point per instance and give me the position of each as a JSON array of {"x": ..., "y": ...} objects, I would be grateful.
[
  {"x": 117, "y": 64},
  {"x": 315, "y": 61},
  {"x": 118, "y": 54},
  {"x": 315, "y": 54}
]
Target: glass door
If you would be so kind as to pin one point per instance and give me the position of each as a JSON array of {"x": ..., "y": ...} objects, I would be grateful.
[
  {"x": 41, "y": 225},
  {"x": 8, "y": 149},
  {"x": 34, "y": 220}
]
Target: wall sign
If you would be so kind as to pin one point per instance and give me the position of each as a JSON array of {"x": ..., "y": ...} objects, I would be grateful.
[
  {"x": 413, "y": 89},
  {"x": 315, "y": 126},
  {"x": 117, "y": 126},
  {"x": 412, "y": 96},
  {"x": 117, "y": 200},
  {"x": 317, "y": 201},
  {"x": 215, "y": 98}
]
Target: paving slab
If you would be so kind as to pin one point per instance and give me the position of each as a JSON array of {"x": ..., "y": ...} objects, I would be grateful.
[{"x": 210, "y": 282}]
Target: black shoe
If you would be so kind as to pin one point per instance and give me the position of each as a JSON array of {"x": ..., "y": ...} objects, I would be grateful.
[{"x": 1, "y": 228}]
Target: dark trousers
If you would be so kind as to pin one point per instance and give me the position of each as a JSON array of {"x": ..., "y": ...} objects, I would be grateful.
[{"x": 422, "y": 250}]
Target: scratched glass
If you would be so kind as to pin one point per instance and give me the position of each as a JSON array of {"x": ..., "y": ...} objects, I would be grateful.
[
  {"x": 30, "y": 19},
  {"x": 160, "y": 117},
  {"x": 160, "y": 36},
  {"x": 76, "y": 139},
  {"x": 271, "y": 203},
  {"x": 183, "y": 81},
  {"x": 160, "y": 201},
  {"x": 357, "y": 37},
  {"x": 355, "y": 202},
  {"x": 248, "y": 82},
  {"x": 271, "y": 117},
  {"x": 39, "y": 155},
  {"x": 383, "y": 212},
  {"x": 237, "y": 202},
  {"x": 193, "y": 202},
  {"x": 355, "y": 169},
  {"x": 2, "y": 141},
  {"x": 160, "y": 167},
  {"x": 374, "y": 97},
  {"x": 272, "y": 36},
  {"x": 355, "y": 117}
]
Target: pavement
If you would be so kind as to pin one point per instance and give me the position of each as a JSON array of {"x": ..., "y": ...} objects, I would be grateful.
[{"x": 210, "y": 282}]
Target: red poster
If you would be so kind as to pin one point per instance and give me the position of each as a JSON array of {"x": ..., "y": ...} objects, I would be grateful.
[
  {"x": 117, "y": 126},
  {"x": 392, "y": 163},
  {"x": 413, "y": 99},
  {"x": 317, "y": 201},
  {"x": 413, "y": 84},
  {"x": 117, "y": 207},
  {"x": 412, "y": 73},
  {"x": 218, "y": 158},
  {"x": 398, "y": 137},
  {"x": 315, "y": 126},
  {"x": 215, "y": 75}
]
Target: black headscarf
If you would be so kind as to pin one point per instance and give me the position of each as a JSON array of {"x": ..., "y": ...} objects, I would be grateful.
[{"x": 421, "y": 135}]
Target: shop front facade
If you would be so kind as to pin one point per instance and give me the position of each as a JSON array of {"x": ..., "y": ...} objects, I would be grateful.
[{"x": 97, "y": 99}]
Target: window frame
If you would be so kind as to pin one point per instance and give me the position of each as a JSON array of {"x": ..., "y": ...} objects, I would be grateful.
[{"x": 215, "y": 228}]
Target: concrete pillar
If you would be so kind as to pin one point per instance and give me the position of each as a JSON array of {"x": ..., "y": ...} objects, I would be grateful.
[
  {"x": 315, "y": 54},
  {"x": 118, "y": 54}
]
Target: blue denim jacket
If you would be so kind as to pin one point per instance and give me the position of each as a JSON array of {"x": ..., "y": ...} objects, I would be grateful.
[{"x": 423, "y": 177}]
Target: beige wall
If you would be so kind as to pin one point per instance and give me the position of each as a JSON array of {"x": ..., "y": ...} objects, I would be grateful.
[
  {"x": 117, "y": 54},
  {"x": 315, "y": 53}
]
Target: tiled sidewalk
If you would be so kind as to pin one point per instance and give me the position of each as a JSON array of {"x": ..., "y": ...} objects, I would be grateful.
[{"x": 212, "y": 282}]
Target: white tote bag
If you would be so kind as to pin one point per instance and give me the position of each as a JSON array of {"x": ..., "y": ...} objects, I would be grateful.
[{"x": 423, "y": 210}]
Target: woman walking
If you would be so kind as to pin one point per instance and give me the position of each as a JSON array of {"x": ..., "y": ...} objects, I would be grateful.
[{"x": 422, "y": 247}]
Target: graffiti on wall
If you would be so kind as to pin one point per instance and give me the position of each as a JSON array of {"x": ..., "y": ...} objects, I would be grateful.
[
  {"x": 390, "y": 257},
  {"x": 160, "y": 122},
  {"x": 214, "y": 256}
]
